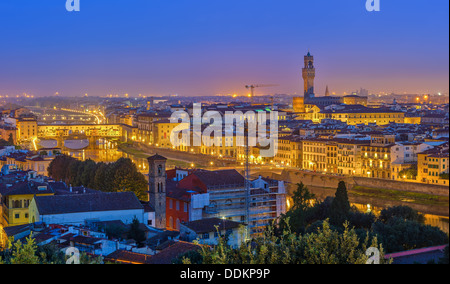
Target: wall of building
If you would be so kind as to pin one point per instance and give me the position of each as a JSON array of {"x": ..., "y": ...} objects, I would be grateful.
[
  {"x": 125, "y": 216},
  {"x": 320, "y": 180}
]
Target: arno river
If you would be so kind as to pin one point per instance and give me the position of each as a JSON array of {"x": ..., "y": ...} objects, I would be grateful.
[{"x": 111, "y": 155}]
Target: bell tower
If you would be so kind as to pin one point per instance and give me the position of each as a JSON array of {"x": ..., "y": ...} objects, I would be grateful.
[
  {"x": 309, "y": 73},
  {"x": 157, "y": 188}
]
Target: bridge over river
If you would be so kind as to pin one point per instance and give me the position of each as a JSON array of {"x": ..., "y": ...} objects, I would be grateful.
[{"x": 77, "y": 136}]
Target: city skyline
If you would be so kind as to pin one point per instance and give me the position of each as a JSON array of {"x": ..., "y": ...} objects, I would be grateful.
[{"x": 218, "y": 48}]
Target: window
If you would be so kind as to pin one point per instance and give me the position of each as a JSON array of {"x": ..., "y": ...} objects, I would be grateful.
[
  {"x": 17, "y": 216},
  {"x": 178, "y": 205},
  {"x": 205, "y": 236},
  {"x": 185, "y": 207}
]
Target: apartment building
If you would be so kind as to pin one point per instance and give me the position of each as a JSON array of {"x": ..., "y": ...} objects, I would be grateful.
[
  {"x": 27, "y": 128},
  {"x": 315, "y": 154},
  {"x": 404, "y": 156},
  {"x": 432, "y": 166},
  {"x": 222, "y": 194},
  {"x": 376, "y": 157},
  {"x": 145, "y": 126},
  {"x": 349, "y": 160}
]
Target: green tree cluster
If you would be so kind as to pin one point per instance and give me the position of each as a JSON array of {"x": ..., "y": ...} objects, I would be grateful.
[
  {"x": 136, "y": 233},
  {"x": 119, "y": 176},
  {"x": 30, "y": 253},
  {"x": 410, "y": 173},
  {"x": 326, "y": 246},
  {"x": 397, "y": 228}
]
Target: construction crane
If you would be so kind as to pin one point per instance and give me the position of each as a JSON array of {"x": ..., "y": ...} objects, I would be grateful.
[
  {"x": 252, "y": 88},
  {"x": 247, "y": 160}
]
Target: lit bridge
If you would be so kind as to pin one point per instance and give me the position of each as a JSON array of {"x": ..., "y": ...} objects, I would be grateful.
[{"x": 90, "y": 132}]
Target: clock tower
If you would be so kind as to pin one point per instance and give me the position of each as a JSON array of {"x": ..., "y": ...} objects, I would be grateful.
[{"x": 309, "y": 73}]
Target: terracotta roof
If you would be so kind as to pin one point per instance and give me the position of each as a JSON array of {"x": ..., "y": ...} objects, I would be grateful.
[
  {"x": 124, "y": 256},
  {"x": 84, "y": 240},
  {"x": 172, "y": 252},
  {"x": 174, "y": 192},
  {"x": 210, "y": 224},
  {"x": 360, "y": 109},
  {"x": 26, "y": 187},
  {"x": 162, "y": 237},
  {"x": 14, "y": 230},
  {"x": 221, "y": 177},
  {"x": 42, "y": 237},
  {"x": 62, "y": 204},
  {"x": 157, "y": 158}
]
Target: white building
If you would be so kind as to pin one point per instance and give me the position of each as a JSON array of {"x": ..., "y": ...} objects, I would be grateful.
[
  {"x": 208, "y": 231},
  {"x": 76, "y": 209},
  {"x": 404, "y": 156}
]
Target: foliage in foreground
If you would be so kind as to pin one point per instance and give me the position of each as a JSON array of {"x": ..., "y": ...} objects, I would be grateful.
[
  {"x": 397, "y": 228},
  {"x": 326, "y": 246},
  {"x": 30, "y": 253}
]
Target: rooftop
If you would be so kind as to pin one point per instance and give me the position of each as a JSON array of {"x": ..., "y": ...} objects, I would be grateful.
[
  {"x": 210, "y": 224},
  {"x": 63, "y": 204}
]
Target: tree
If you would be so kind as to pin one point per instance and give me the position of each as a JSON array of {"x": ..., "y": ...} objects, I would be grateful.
[
  {"x": 399, "y": 234},
  {"x": 302, "y": 197},
  {"x": 340, "y": 207},
  {"x": 73, "y": 172},
  {"x": 410, "y": 173},
  {"x": 114, "y": 231},
  {"x": 29, "y": 253},
  {"x": 136, "y": 233},
  {"x": 87, "y": 171},
  {"x": 326, "y": 246},
  {"x": 50, "y": 254},
  {"x": 58, "y": 168},
  {"x": 121, "y": 175},
  {"x": 190, "y": 257},
  {"x": 10, "y": 139},
  {"x": 24, "y": 253},
  {"x": 361, "y": 220},
  {"x": 100, "y": 180},
  {"x": 403, "y": 212},
  {"x": 127, "y": 178},
  {"x": 301, "y": 211}
]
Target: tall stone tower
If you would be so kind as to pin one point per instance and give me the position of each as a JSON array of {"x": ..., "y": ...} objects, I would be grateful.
[
  {"x": 309, "y": 73},
  {"x": 157, "y": 188}
]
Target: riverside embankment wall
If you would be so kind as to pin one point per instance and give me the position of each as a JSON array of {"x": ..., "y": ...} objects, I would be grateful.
[{"x": 330, "y": 181}]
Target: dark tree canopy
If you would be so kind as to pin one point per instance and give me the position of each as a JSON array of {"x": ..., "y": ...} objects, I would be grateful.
[
  {"x": 121, "y": 175},
  {"x": 340, "y": 207}
]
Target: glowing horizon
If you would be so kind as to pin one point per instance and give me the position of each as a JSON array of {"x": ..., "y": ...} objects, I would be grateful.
[{"x": 205, "y": 48}]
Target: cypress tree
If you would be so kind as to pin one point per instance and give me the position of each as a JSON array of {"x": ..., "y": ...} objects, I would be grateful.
[{"x": 340, "y": 207}]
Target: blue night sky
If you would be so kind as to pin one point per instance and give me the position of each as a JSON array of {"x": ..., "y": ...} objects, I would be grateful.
[{"x": 208, "y": 47}]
